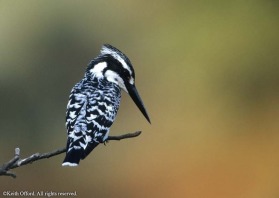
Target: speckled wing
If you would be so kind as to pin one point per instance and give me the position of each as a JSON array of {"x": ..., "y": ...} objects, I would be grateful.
[
  {"x": 76, "y": 127},
  {"x": 90, "y": 113}
]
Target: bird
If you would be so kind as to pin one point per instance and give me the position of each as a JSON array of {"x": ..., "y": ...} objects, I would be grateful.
[{"x": 94, "y": 102}]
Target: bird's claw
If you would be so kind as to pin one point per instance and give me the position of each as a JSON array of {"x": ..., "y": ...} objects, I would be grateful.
[{"x": 105, "y": 142}]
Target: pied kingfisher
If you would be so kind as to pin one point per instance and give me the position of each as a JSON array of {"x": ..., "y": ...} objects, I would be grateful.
[{"x": 94, "y": 101}]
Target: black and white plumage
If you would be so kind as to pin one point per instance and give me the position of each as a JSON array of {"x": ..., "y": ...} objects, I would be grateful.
[{"x": 94, "y": 102}]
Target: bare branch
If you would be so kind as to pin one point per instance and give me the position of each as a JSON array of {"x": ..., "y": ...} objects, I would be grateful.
[
  {"x": 125, "y": 136},
  {"x": 17, "y": 162},
  {"x": 7, "y": 166}
]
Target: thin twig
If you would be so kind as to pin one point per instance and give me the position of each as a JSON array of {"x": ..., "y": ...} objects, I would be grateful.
[
  {"x": 16, "y": 162},
  {"x": 125, "y": 136}
]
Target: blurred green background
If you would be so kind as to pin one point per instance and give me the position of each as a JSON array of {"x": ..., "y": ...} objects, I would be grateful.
[{"x": 207, "y": 72}]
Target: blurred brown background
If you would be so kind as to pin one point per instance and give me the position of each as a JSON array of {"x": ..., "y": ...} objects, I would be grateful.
[{"x": 207, "y": 72}]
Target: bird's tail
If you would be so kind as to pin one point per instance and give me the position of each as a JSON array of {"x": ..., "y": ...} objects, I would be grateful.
[
  {"x": 89, "y": 148},
  {"x": 75, "y": 154},
  {"x": 73, "y": 157}
]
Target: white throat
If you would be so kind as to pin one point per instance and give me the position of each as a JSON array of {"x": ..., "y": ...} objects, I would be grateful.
[{"x": 115, "y": 78}]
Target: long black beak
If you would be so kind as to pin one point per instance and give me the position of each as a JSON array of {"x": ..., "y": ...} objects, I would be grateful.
[{"x": 137, "y": 100}]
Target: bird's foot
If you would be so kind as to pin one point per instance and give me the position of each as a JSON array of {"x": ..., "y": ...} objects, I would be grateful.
[{"x": 105, "y": 142}]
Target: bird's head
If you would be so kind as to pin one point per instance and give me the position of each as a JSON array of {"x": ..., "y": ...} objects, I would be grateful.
[{"x": 115, "y": 66}]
